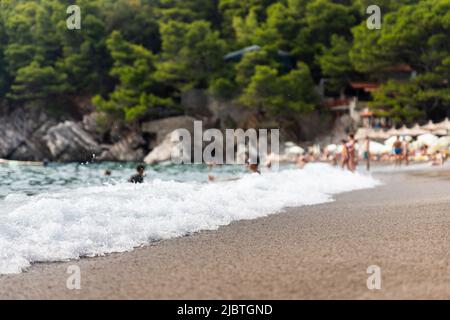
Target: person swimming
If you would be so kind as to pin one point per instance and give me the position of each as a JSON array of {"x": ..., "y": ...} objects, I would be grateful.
[
  {"x": 254, "y": 168},
  {"x": 139, "y": 177}
]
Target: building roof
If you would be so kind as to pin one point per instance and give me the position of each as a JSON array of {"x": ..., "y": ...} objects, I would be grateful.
[
  {"x": 337, "y": 104},
  {"x": 239, "y": 53},
  {"x": 366, "y": 114},
  {"x": 367, "y": 86}
]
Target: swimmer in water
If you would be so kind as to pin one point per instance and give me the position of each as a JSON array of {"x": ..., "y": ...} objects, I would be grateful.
[
  {"x": 139, "y": 177},
  {"x": 253, "y": 167},
  {"x": 301, "y": 161}
]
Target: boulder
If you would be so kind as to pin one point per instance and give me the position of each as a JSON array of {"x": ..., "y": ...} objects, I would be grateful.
[
  {"x": 163, "y": 151},
  {"x": 171, "y": 144},
  {"x": 127, "y": 149},
  {"x": 68, "y": 141},
  {"x": 90, "y": 122},
  {"x": 159, "y": 129},
  {"x": 21, "y": 133}
]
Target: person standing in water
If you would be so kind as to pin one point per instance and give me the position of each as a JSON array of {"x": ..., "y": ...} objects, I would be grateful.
[
  {"x": 139, "y": 177},
  {"x": 301, "y": 161},
  {"x": 254, "y": 168},
  {"x": 344, "y": 154},
  {"x": 406, "y": 152},
  {"x": 398, "y": 151},
  {"x": 351, "y": 152},
  {"x": 366, "y": 152}
]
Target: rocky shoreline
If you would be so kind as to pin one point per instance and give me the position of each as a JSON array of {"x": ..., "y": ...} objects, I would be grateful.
[{"x": 35, "y": 135}]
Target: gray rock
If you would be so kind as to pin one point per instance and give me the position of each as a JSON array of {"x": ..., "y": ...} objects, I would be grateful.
[
  {"x": 161, "y": 128},
  {"x": 127, "y": 149},
  {"x": 21, "y": 133},
  {"x": 68, "y": 141},
  {"x": 171, "y": 145},
  {"x": 162, "y": 152}
]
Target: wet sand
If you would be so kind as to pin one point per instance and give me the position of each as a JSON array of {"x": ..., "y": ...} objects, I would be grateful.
[{"x": 313, "y": 252}]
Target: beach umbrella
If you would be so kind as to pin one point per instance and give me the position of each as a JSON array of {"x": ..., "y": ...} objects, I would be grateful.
[
  {"x": 407, "y": 138},
  {"x": 440, "y": 132},
  {"x": 392, "y": 132},
  {"x": 417, "y": 131},
  {"x": 444, "y": 124},
  {"x": 379, "y": 135},
  {"x": 430, "y": 126},
  {"x": 289, "y": 144},
  {"x": 405, "y": 132},
  {"x": 390, "y": 142},
  {"x": 416, "y": 145},
  {"x": 428, "y": 139},
  {"x": 378, "y": 148},
  {"x": 362, "y": 133},
  {"x": 443, "y": 142},
  {"x": 331, "y": 148},
  {"x": 295, "y": 150}
]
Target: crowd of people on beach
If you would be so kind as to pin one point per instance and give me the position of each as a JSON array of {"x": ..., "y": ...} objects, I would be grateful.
[
  {"x": 351, "y": 152},
  {"x": 348, "y": 156}
]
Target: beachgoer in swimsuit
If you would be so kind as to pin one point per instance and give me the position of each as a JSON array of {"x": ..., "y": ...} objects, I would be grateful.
[
  {"x": 344, "y": 154},
  {"x": 351, "y": 152},
  {"x": 406, "y": 152},
  {"x": 139, "y": 177},
  {"x": 366, "y": 153},
  {"x": 301, "y": 161},
  {"x": 398, "y": 151}
]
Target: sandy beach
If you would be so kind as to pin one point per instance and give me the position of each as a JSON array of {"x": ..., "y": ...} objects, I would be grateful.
[{"x": 311, "y": 252}]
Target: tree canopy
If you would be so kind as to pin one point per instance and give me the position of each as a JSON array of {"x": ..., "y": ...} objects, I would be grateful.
[{"x": 134, "y": 56}]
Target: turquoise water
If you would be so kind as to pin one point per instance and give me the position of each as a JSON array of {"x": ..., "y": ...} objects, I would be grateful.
[{"x": 31, "y": 180}]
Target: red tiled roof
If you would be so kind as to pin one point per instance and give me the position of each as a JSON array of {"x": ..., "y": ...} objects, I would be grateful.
[
  {"x": 331, "y": 103},
  {"x": 364, "y": 85},
  {"x": 366, "y": 114}
]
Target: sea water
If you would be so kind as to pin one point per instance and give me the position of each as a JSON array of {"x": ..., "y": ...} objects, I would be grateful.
[{"x": 63, "y": 212}]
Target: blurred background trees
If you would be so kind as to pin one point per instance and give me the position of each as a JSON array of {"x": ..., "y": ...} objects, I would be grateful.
[{"x": 132, "y": 56}]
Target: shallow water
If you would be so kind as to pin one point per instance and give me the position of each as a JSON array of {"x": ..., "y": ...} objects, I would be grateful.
[
  {"x": 69, "y": 211},
  {"x": 32, "y": 180}
]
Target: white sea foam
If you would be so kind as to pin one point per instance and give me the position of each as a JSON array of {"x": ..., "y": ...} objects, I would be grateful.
[{"x": 97, "y": 220}]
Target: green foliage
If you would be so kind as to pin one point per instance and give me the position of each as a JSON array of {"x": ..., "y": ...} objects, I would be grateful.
[
  {"x": 415, "y": 34},
  {"x": 36, "y": 82},
  {"x": 192, "y": 53},
  {"x": 397, "y": 100},
  {"x": 336, "y": 64},
  {"x": 280, "y": 95},
  {"x": 3, "y": 72},
  {"x": 245, "y": 69},
  {"x": 222, "y": 88},
  {"x": 137, "y": 90},
  {"x": 137, "y": 56}
]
